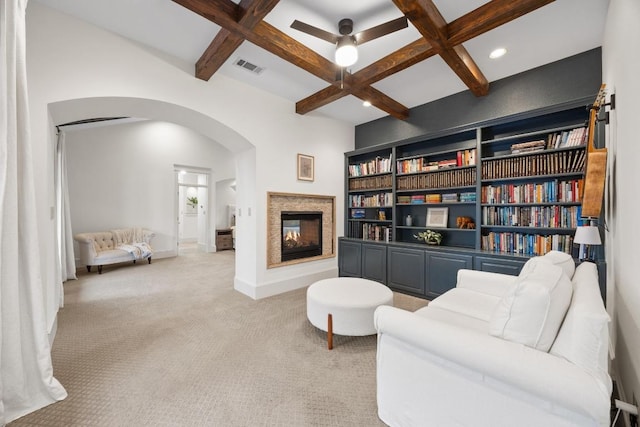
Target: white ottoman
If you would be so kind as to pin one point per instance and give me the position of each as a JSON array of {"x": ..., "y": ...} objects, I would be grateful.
[{"x": 345, "y": 305}]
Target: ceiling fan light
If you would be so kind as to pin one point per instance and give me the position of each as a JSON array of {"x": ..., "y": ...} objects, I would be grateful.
[{"x": 346, "y": 52}]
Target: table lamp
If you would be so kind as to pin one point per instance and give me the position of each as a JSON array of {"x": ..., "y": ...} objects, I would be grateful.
[{"x": 587, "y": 236}]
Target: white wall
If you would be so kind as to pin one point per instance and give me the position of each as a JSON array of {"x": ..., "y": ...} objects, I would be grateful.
[
  {"x": 621, "y": 68},
  {"x": 77, "y": 71},
  {"x": 123, "y": 176}
]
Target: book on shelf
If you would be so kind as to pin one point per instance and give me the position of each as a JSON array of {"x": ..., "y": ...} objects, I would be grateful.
[
  {"x": 374, "y": 166},
  {"x": 380, "y": 233},
  {"x": 531, "y": 216},
  {"x": 449, "y": 163},
  {"x": 369, "y": 183},
  {"x": 466, "y": 157},
  {"x": 565, "y": 191},
  {"x": 526, "y": 244},
  {"x": 468, "y": 196},
  {"x": 449, "y": 197},
  {"x": 569, "y": 138},
  {"x": 525, "y": 147},
  {"x": 433, "y": 198},
  {"x": 370, "y": 200},
  {"x": 547, "y": 163},
  {"x": 417, "y": 199}
]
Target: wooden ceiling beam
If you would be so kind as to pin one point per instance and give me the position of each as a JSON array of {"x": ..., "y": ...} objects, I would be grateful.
[
  {"x": 397, "y": 61},
  {"x": 221, "y": 48},
  {"x": 244, "y": 21},
  {"x": 222, "y": 13},
  {"x": 249, "y": 13},
  {"x": 382, "y": 101},
  {"x": 269, "y": 38},
  {"x": 489, "y": 16},
  {"x": 428, "y": 20}
]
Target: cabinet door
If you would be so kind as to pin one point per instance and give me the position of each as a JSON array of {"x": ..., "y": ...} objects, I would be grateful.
[
  {"x": 374, "y": 262},
  {"x": 442, "y": 271},
  {"x": 406, "y": 269},
  {"x": 350, "y": 256},
  {"x": 497, "y": 265}
]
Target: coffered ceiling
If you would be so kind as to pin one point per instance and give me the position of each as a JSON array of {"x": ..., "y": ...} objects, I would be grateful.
[{"x": 444, "y": 50}]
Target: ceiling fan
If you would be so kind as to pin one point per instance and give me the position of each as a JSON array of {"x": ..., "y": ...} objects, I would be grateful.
[{"x": 346, "y": 43}]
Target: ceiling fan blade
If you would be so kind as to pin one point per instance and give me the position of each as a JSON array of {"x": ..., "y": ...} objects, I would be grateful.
[
  {"x": 381, "y": 30},
  {"x": 315, "y": 31}
]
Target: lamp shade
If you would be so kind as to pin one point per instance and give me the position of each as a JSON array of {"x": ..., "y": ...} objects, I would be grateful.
[
  {"x": 346, "y": 52},
  {"x": 587, "y": 235}
]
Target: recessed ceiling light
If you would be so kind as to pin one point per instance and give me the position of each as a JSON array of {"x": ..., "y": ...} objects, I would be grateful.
[
  {"x": 497, "y": 53},
  {"x": 366, "y": 104}
]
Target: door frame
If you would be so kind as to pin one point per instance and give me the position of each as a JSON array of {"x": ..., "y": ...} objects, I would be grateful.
[{"x": 207, "y": 217}]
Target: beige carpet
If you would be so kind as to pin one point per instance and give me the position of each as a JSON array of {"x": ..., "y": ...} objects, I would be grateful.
[{"x": 172, "y": 344}]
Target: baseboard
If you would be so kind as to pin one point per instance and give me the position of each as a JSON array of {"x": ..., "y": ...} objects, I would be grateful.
[
  {"x": 164, "y": 254},
  {"x": 276, "y": 287}
]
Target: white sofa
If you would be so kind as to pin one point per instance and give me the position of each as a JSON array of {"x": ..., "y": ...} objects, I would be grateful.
[
  {"x": 499, "y": 350},
  {"x": 115, "y": 246}
]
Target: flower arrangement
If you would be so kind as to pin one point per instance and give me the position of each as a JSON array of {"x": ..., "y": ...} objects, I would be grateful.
[
  {"x": 193, "y": 201},
  {"x": 430, "y": 237}
]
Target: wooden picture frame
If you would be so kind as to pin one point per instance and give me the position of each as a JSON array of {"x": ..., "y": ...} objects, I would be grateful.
[
  {"x": 305, "y": 167},
  {"x": 437, "y": 217}
]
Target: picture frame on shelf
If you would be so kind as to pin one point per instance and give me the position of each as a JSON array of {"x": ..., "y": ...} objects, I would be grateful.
[
  {"x": 305, "y": 167},
  {"x": 437, "y": 217}
]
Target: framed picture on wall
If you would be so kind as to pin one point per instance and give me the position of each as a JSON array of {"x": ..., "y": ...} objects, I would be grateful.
[
  {"x": 305, "y": 167},
  {"x": 437, "y": 217}
]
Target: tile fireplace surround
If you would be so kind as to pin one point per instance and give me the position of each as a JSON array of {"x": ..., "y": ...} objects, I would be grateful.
[{"x": 286, "y": 202}]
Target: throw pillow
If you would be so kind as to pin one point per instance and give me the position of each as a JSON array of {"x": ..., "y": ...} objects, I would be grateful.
[
  {"x": 584, "y": 337},
  {"x": 532, "y": 311},
  {"x": 562, "y": 260}
]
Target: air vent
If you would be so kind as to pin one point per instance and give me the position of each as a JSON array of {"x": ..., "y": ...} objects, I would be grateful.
[{"x": 248, "y": 66}]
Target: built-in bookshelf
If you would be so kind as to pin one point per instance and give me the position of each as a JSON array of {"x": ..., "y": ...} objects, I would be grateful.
[
  {"x": 531, "y": 179},
  {"x": 370, "y": 196},
  {"x": 518, "y": 181}
]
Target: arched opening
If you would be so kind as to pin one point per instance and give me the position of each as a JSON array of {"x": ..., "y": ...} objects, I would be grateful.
[{"x": 165, "y": 120}]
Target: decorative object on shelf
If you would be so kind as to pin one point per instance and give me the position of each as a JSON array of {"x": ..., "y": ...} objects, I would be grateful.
[
  {"x": 465, "y": 222},
  {"x": 430, "y": 237},
  {"x": 382, "y": 216},
  {"x": 437, "y": 217},
  {"x": 587, "y": 236},
  {"x": 305, "y": 167},
  {"x": 408, "y": 221},
  {"x": 357, "y": 213}
]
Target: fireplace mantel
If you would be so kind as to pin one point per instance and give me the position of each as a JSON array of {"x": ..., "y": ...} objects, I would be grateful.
[{"x": 283, "y": 202}]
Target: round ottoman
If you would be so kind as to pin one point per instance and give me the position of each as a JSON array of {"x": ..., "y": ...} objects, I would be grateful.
[{"x": 345, "y": 305}]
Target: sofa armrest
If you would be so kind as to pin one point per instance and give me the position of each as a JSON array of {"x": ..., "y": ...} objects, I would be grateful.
[
  {"x": 87, "y": 247},
  {"x": 546, "y": 376},
  {"x": 147, "y": 235},
  {"x": 486, "y": 282}
]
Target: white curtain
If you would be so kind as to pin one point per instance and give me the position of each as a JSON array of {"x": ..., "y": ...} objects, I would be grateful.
[
  {"x": 26, "y": 374},
  {"x": 64, "y": 234}
]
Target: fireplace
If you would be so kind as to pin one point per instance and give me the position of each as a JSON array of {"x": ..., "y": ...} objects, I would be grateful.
[{"x": 301, "y": 235}]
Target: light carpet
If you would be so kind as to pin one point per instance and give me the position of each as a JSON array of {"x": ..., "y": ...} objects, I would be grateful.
[{"x": 173, "y": 344}]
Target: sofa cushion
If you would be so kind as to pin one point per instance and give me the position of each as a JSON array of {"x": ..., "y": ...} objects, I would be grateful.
[
  {"x": 454, "y": 318},
  {"x": 584, "y": 336},
  {"x": 470, "y": 303},
  {"x": 562, "y": 260},
  {"x": 532, "y": 311}
]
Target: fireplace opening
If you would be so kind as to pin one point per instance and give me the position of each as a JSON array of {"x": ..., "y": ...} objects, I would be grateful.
[{"x": 301, "y": 235}]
